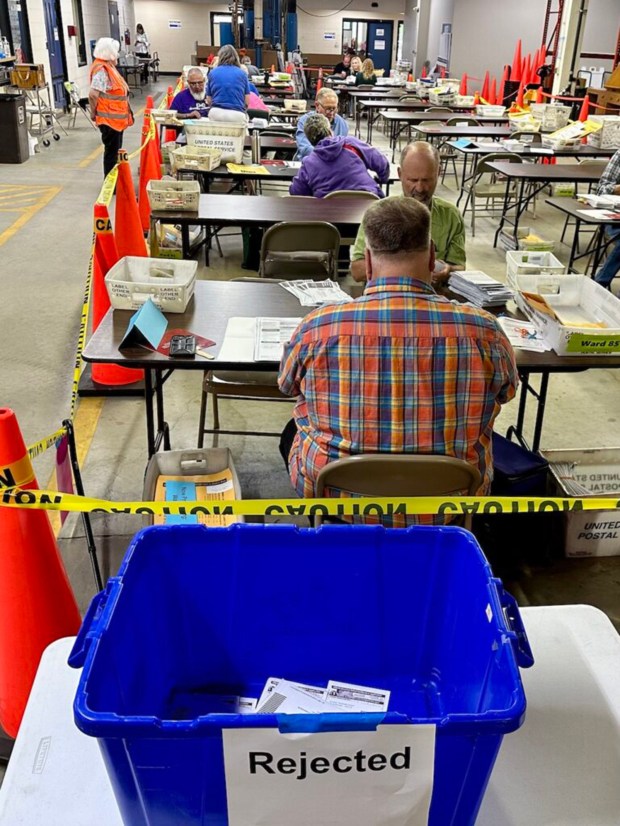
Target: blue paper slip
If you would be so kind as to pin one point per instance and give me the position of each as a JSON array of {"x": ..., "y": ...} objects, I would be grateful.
[
  {"x": 146, "y": 327},
  {"x": 462, "y": 143},
  {"x": 181, "y": 492}
]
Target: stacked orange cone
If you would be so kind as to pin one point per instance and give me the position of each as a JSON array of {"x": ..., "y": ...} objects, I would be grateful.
[
  {"x": 127, "y": 225},
  {"x": 105, "y": 255},
  {"x": 37, "y": 605},
  {"x": 150, "y": 170}
]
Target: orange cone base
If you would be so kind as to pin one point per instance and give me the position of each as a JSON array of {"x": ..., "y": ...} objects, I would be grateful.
[{"x": 115, "y": 376}]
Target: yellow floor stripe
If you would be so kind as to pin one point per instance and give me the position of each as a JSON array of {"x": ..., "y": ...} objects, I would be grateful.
[
  {"x": 85, "y": 423},
  {"x": 29, "y": 213}
]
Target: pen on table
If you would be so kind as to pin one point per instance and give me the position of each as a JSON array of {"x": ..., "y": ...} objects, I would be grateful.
[{"x": 202, "y": 352}]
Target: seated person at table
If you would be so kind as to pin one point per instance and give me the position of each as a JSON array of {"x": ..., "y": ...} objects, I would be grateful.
[
  {"x": 398, "y": 370},
  {"x": 356, "y": 65},
  {"x": 228, "y": 89},
  {"x": 326, "y": 103},
  {"x": 343, "y": 68},
  {"x": 192, "y": 102},
  {"x": 337, "y": 163},
  {"x": 366, "y": 76},
  {"x": 419, "y": 173},
  {"x": 610, "y": 185},
  {"x": 253, "y": 71}
]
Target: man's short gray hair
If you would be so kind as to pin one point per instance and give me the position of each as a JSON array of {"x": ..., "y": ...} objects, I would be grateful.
[
  {"x": 324, "y": 93},
  {"x": 422, "y": 148},
  {"x": 316, "y": 127},
  {"x": 106, "y": 48},
  {"x": 196, "y": 70},
  {"x": 397, "y": 226}
]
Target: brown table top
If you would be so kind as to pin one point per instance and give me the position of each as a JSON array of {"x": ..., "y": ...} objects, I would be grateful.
[
  {"x": 376, "y": 93},
  {"x": 536, "y": 150},
  {"x": 585, "y": 173},
  {"x": 416, "y": 117},
  {"x": 214, "y": 302},
  {"x": 464, "y": 131},
  {"x": 573, "y": 207},
  {"x": 265, "y": 210},
  {"x": 416, "y": 105}
]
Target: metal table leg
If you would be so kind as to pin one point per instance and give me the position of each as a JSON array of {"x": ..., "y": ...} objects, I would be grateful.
[{"x": 150, "y": 423}]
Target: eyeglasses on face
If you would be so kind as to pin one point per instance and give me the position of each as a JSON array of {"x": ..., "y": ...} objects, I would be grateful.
[{"x": 329, "y": 108}]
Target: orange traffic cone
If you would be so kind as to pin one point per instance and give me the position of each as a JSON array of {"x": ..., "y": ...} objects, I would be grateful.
[
  {"x": 150, "y": 170},
  {"x": 423, "y": 71},
  {"x": 105, "y": 255},
  {"x": 127, "y": 225},
  {"x": 519, "y": 97},
  {"x": 319, "y": 83},
  {"x": 443, "y": 72},
  {"x": 515, "y": 73},
  {"x": 485, "y": 87},
  {"x": 273, "y": 69},
  {"x": 409, "y": 78},
  {"x": 585, "y": 109},
  {"x": 502, "y": 87},
  {"x": 169, "y": 134},
  {"x": 37, "y": 605},
  {"x": 463, "y": 86},
  {"x": 493, "y": 93},
  {"x": 476, "y": 98},
  {"x": 539, "y": 95},
  {"x": 527, "y": 68}
]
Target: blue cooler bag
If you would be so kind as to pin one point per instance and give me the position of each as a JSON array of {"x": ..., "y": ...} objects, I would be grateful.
[{"x": 196, "y": 612}]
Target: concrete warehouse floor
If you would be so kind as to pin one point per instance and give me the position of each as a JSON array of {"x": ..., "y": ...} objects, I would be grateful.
[{"x": 45, "y": 239}]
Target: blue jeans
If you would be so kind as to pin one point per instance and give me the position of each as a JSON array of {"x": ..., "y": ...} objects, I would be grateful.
[{"x": 611, "y": 267}]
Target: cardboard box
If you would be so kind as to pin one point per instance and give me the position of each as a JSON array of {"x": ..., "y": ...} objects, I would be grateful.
[
  {"x": 576, "y": 316},
  {"x": 28, "y": 76},
  {"x": 595, "y": 473}
]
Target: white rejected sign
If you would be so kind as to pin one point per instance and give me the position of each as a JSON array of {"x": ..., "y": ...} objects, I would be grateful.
[{"x": 366, "y": 778}]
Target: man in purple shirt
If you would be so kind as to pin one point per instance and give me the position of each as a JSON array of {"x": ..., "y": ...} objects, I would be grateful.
[{"x": 192, "y": 102}]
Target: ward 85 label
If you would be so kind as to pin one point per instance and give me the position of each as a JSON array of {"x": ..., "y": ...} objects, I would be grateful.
[{"x": 370, "y": 778}]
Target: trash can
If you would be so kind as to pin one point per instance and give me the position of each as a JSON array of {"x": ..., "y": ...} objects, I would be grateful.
[
  {"x": 196, "y": 612},
  {"x": 13, "y": 128}
]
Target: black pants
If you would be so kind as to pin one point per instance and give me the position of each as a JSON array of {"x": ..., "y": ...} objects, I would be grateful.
[
  {"x": 286, "y": 440},
  {"x": 112, "y": 142}
]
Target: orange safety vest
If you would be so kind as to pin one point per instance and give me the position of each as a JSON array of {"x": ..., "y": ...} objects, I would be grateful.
[{"x": 112, "y": 106}]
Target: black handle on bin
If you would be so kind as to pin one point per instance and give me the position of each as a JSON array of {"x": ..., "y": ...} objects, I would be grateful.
[
  {"x": 521, "y": 644},
  {"x": 81, "y": 645}
]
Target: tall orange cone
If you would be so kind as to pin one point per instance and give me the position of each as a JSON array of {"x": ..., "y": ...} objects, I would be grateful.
[
  {"x": 169, "y": 134},
  {"x": 105, "y": 255},
  {"x": 493, "y": 92},
  {"x": 463, "y": 86},
  {"x": 423, "y": 71},
  {"x": 150, "y": 170},
  {"x": 319, "y": 82},
  {"x": 443, "y": 72},
  {"x": 525, "y": 72},
  {"x": 585, "y": 109},
  {"x": 37, "y": 605},
  {"x": 485, "y": 87},
  {"x": 519, "y": 97},
  {"x": 127, "y": 224},
  {"x": 502, "y": 87},
  {"x": 539, "y": 95}
]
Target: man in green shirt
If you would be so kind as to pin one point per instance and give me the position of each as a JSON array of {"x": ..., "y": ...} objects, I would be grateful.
[{"x": 419, "y": 174}]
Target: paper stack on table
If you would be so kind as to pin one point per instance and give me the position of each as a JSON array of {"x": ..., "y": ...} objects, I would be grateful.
[
  {"x": 314, "y": 293},
  {"x": 271, "y": 336},
  {"x": 523, "y": 334},
  {"x": 479, "y": 288},
  {"x": 612, "y": 201}
]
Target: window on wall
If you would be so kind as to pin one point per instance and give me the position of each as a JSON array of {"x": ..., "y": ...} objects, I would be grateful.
[
  {"x": 221, "y": 28},
  {"x": 80, "y": 41},
  {"x": 354, "y": 35},
  {"x": 399, "y": 40}
]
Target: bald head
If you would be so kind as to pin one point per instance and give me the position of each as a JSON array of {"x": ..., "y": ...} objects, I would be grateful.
[{"x": 419, "y": 171}]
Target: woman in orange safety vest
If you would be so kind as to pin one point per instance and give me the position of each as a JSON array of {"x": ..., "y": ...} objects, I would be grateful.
[{"x": 109, "y": 100}]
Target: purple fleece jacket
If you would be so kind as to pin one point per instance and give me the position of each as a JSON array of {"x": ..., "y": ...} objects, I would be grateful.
[{"x": 332, "y": 166}]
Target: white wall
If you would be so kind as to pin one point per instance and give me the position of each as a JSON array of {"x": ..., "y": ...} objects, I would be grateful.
[
  {"x": 96, "y": 24},
  {"x": 441, "y": 11},
  {"x": 176, "y": 46},
  {"x": 485, "y": 35}
]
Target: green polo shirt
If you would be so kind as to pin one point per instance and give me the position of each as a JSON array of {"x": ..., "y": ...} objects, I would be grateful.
[{"x": 447, "y": 233}]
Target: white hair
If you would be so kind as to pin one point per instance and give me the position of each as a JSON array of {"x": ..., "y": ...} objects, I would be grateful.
[{"x": 107, "y": 48}]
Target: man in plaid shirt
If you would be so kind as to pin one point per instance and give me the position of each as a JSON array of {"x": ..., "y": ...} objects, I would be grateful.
[
  {"x": 400, "y": 369},
  {"x": 610, "y": 185}
]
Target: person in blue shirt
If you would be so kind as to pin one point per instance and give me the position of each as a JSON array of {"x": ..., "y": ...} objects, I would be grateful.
[
  {"x": 228, "y": 88},
  {"x": 192, "y": 102},
  {"x": 326, "y": 103}
]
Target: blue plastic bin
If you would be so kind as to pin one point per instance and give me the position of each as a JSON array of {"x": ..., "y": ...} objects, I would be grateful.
[{"x": 196, "y": 611}]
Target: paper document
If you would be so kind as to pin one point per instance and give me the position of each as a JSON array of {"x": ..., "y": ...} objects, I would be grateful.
[
  {"x": 602, "y": 214},
  {"x": 271, "y": 336},
  {"x": 348, "y": 697},
  {"x": 479, "y": 288},
  {"x": 601, "y": 200},
  {"x": 523, "y": 334},
  {"x": 292, "y": 698},
  {"x": 314, "y": 293}
]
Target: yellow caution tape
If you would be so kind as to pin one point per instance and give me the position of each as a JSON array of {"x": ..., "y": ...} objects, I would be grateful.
[
  {"x": 81, "y": 341},
  {"x": 109, "y": 184},
  {"x": 17, "y": 473},
  {"x": 14, "y": 497},
  {"x": 42, "y": 445}
]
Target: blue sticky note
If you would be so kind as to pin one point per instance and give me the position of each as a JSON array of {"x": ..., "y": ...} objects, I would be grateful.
[
  {"x": 180, "y": 492},
  {"x": 146, "y": 327}
]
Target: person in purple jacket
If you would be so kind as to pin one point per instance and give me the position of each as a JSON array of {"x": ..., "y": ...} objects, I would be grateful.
[{"x": 338, "y": 163}]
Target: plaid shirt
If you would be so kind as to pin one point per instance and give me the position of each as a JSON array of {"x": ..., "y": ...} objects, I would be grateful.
[
  {"x": 610, "y": 177},
  {"x": 399, "y": 370}
]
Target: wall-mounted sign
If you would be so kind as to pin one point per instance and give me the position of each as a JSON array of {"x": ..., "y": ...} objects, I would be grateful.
[
  {"x": 379, "y": 45},
  {"x": 380, "y": 32},
  {"x": 174, "y": 24},
  {"x": 329, "y": 35}
]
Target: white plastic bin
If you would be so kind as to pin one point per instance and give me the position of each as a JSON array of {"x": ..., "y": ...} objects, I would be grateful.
[
  {"x": 227, "y": 137},
  {"x": 133, "y": 280}
]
